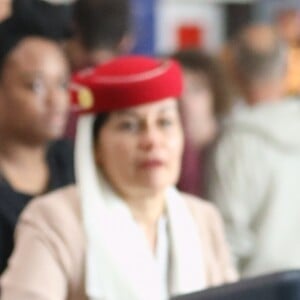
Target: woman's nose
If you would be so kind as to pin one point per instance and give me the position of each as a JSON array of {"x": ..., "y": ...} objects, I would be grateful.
[
  {"x": 150, "y": 138},
  {"x": 57, "y": 100}
]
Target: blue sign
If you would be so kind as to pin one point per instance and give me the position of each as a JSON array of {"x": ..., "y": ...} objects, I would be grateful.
[{"x": 143, "y": 12}]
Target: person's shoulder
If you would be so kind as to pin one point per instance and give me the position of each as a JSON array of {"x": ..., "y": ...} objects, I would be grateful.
[
  {"x": 206, "y": 215},
  {"x": 200, "y": 207},
  {"x": 54, "y": 222},
  {"x": 237, "y": 137},
  {"x": 59, "y": 207}
]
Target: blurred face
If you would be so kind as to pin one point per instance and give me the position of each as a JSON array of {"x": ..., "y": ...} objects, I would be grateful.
[
  {"x": 289, "y": 26},
  {"x": 197, "y": 109},
  {"x": 139, "y": 149},
  {"x": 5, "y": 9},
  {"x": 33, "y": 91}
]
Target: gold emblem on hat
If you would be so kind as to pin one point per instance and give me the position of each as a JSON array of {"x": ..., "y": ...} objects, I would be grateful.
[{"x": 85, "y": 98}]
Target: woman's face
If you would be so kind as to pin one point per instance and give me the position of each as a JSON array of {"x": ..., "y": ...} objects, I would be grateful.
[
  {"x": 139, "y": 149},
  {"x": 197, "y": 109},
  {"x": 34, "y": 101}
]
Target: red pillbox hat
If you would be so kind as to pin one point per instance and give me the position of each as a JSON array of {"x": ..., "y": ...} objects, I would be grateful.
[{"x": 125, "y": 82}]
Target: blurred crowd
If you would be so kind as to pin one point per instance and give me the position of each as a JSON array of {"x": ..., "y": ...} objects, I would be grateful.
[{"x": 239, "y": 111}]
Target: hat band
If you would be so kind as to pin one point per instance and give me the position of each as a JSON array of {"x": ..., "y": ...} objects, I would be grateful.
[{"x": 163, "y": 68}]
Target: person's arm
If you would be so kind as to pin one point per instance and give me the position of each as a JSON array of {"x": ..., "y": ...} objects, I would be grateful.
[
  {"x": 34, "y": 271},
  {"x": 228, "y": 273},
  {"x": 236, "y": 185},
  {"x": 219, "y": 267}
]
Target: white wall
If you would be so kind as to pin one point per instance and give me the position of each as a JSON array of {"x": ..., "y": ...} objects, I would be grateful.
[{"x": 171, "y": 14}]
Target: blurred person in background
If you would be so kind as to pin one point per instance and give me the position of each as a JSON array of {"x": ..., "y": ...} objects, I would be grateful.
[
  {"x": 124, "y": 231},
  {"x": 34, "y": 106},
  {"x": 44, "y": 17},
  {"x": 225, "y": 56},
  {"x": 93, "y": 31},
  {"x": 256, "y": 165},
  {"x": 288, "y": 25},
  {"x": 101, "y": 30},
  {"x": 206, "y": 99}
]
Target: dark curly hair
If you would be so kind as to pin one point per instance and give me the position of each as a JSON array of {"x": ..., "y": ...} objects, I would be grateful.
[{"x": 101, "y": 23}]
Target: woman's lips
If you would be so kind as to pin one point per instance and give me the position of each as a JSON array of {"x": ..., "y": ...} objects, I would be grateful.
[{"x": 151, "y": 163}]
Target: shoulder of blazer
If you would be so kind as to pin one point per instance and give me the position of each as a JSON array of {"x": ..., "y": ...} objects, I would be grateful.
[
  {"x": 52, "y": 207},
  {"x": 56, "y": 216},
  {"x": 200, "y": 207}
]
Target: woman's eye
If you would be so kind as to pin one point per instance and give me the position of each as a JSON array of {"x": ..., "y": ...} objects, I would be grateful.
[
  {"x": 36, "y": 86},
  {"x": 165, "y": 122},
  {"x": 128, "y": 126}
]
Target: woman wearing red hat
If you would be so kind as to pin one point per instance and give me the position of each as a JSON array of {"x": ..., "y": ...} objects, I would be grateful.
[{"x": 124, "y": 232}]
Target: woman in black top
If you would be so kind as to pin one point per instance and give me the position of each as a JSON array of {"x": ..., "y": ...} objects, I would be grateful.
[
  {"x": 12, "y": 202},
  {"x": 34, "y": 108}
]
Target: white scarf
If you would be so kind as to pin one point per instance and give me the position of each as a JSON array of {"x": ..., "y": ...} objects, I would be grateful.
[{"x": 119, "y": 263}]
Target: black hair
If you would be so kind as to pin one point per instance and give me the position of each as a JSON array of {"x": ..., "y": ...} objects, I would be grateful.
[
  {"x": 43, "y": 18},
  {"x": 33, "y": 18},
  {"x": 99, "y": 122},
  {"x": 101, "y": 24}
]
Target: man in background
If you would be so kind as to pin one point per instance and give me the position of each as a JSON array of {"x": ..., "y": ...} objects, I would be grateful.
[
  {"x": 101, "y": 30},
  {"x": 255, "y": 169}
]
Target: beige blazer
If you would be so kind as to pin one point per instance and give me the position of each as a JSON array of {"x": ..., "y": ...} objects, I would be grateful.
[{"x": 49, "y": 257}]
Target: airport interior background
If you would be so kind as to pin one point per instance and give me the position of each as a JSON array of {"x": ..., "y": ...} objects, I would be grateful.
[{"x": 162, "y": 26}]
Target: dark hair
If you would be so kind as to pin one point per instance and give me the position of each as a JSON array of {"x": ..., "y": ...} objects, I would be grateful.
[
  {"x": 33, "y": 18},
  {"x": 100, "y": 120},
  {"x": 43, "y": 18},
  {"x": 101, "y": 23},
  {"x": 198, "y": 61}
]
